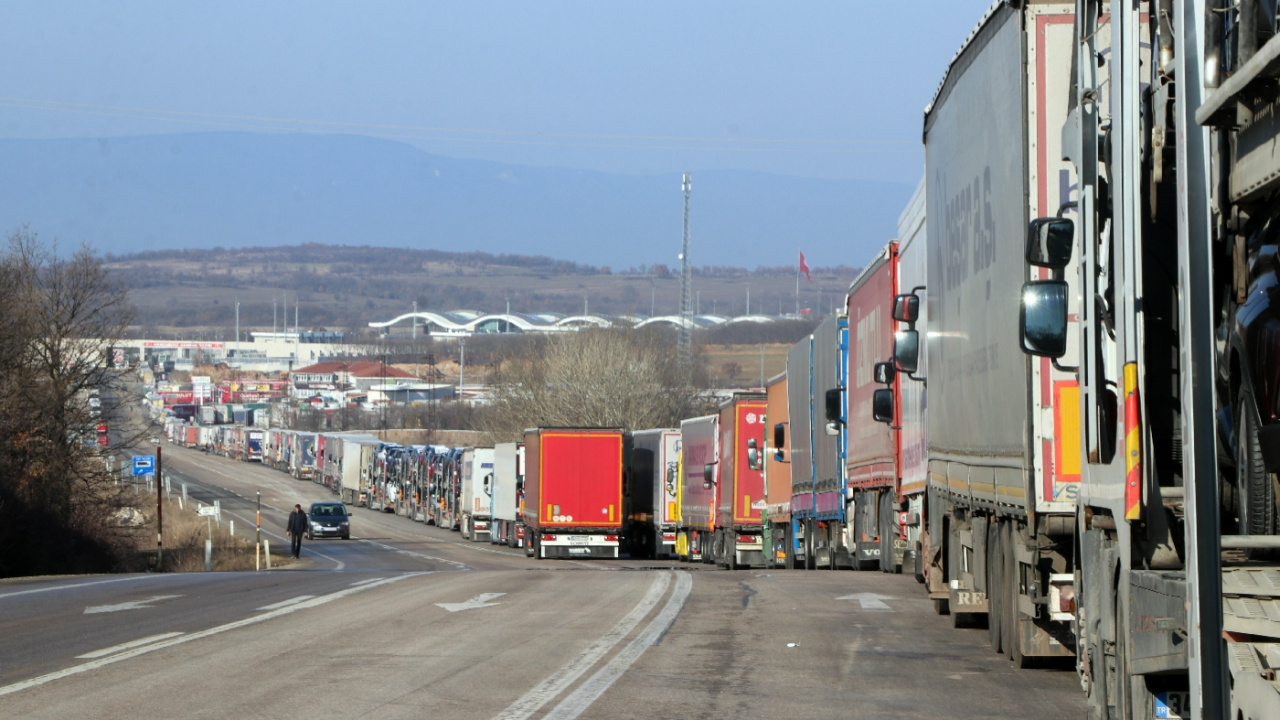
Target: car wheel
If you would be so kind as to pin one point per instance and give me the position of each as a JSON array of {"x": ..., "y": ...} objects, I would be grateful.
[{"x": 346, "y": 537}]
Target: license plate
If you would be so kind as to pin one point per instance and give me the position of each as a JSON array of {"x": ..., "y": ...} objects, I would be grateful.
[
  {"x": 578, "y": 540},
  {"x": 1173, "y": 704}
]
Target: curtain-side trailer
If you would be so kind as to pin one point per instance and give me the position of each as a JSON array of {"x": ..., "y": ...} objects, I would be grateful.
[
  {"x": 699, "y": 450},
  {"x": 1000, "y": 509},
  {"x": 737, "y": 540}
]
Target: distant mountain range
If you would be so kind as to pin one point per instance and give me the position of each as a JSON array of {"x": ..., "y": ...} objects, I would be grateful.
[{"x": 240, "y": 189}]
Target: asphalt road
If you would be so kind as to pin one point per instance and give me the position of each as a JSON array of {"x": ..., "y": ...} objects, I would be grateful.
[{"x": 381, "y": 626}]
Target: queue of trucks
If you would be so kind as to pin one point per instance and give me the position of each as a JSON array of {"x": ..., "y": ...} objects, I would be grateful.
[{"x": 1053, "y": 398}]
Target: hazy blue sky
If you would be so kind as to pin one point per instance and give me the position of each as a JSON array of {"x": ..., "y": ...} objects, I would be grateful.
[{"x": 815, "y": 89}]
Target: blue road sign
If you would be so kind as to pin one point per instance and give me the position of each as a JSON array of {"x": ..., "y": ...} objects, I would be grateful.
[{"x": 144, "y": 465}]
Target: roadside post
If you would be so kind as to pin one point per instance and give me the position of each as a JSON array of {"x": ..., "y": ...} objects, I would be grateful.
[
  {"x": 159, "y": 509},
  {"x": 145, "y": 466},
  {"x": 257, "y": 565},
  {"x": 208, "y": 511}
]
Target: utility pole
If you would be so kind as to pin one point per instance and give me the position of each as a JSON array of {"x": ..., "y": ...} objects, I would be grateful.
[
  {"x": 237, "y": 331},
  {"x": 462, "y": 364},
  {"x": 686, "y": 281},
  {"x": 415, "y": 321}
]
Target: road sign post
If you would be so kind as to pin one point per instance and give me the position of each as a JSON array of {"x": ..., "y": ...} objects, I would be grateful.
[{"x": 159, "y": 510}]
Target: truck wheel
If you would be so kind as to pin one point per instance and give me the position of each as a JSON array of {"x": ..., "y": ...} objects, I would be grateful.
[
  {"x": 1255, "y": 493},
  {"x": 810, "y": 547},
  {"x": 860, "y": 532},
  {"x": 995, "y": 586},
  {"x": 788, "y": 552},
  {"x": 528, "y": 546},
  {"x": 1013, "y": 617},
  {"x": 888, "y": 563}
]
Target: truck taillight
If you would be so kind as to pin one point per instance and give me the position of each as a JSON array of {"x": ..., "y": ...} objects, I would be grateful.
[
  {"x": 611, "y": 538},
  {"x": 548, "y": 538},
  {"x": 1062, "y": 596},
  {"x": 670, "y": 537},
  {"x": 748, "y": 539}
]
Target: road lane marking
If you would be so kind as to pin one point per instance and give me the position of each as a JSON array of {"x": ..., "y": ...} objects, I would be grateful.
[
  {"x": 433, "y": 558},
  {"x": 366, "y": 580},
  {"x": 74, "y": 585},
  {"x": 588, "y": 692},
  {"x": 131, "y": 605},
  {"x": 135, "y": 652},
  {"x": 479, "y": 601},
  {"x": 126, "y": 646},
  {"x": 286, "y": 603},
  {"x": 545, "y": 691},
  {"x": 870, "y": 601}
]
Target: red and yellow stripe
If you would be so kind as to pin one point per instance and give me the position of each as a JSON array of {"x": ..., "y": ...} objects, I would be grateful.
[{"x": 1132, "y": 445}]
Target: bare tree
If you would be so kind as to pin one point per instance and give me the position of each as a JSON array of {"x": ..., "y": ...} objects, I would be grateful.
[
  {"x": 592, "y": 378},
  {"x": 63, "y": 314}
]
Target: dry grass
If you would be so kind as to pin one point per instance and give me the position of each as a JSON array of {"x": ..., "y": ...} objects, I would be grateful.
[
  {"x": 747, "y": 358},
  {"x": 185, "y": 533}
]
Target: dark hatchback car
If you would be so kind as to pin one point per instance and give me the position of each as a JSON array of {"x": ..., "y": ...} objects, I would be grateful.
[{"x": 328, "y": 519}]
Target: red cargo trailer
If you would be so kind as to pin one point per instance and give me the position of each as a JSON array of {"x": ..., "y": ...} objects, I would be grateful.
[{"x": 573, "y": 491}]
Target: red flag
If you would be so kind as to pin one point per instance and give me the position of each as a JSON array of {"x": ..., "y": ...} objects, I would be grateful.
[{"x": 804, "y": 268}]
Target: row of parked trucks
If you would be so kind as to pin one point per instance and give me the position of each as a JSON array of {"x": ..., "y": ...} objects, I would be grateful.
[{"x": 1054, "y": 398}]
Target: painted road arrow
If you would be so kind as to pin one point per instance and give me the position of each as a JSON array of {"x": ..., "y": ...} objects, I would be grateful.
[
  {"x": 870, "y": 601},
  {"x": 479, "y": 601},
  {"x": 131, "y": 605}
]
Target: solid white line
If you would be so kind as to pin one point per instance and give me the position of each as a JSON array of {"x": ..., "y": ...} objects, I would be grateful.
[
  {"x": 588, "y": 692},
  {"x": 135, "y": 652},
  {"x": 365, "y": 581},
  {"x": 286, "y": 603},
  {"x": 433, "y": 558},
  {"x": 125, "y": 646},
  {"x": 76, "y": 585},
  {"x": 548, "y": 689}
]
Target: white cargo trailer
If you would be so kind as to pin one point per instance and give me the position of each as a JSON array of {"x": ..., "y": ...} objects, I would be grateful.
[{"x": 475, "y": 503}]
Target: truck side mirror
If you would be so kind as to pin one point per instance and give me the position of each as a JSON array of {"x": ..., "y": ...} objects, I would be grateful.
[
  {"x": 1043, "y": 318},
  {"x": 882, "y": 405},
  {"x": 833, "y": 405},
  {"x": 671, "y": 479},
  {"x": 885, "y": 372},
  {"x": 1049, "y": 242},
  {"x": 708, "y": 475},
  {"x": 780, "y": 442},
  {"x": 753, "y": 455},
  {"x": 906, "y": 350},
  {"x": 906, "y": 308}
]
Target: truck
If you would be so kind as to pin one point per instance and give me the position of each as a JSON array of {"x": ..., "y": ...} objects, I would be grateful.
[
  {"x": 873, "y": 448},
  {"x": 1002, "y": 432},
  {"x": 720, "y": 515},
  {"x": 476, "y": 501},
  {"x": 353, "y": 461},
  {"x": 1158, "y": 292},
  {"x": 508, "y": 490},
  {"x": 912, "y": 400},
  {"x": 253, "y": 445},
  {"x": 699, "y": 450},
  {"x": 820, "y": 502},
  {"x": 775, "y": 518},
  {"x": 573, "y": 492},
  {"x": 651, "y": 491},
  {"x": 739, "y": 538}
]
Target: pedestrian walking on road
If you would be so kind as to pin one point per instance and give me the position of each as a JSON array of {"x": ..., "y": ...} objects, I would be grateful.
[{"x": 296, "y": 526}]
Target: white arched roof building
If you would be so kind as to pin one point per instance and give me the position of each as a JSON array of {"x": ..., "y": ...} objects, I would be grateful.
[{"x": 466, "y": 323}]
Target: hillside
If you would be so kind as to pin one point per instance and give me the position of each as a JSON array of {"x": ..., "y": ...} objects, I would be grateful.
[{"x": 346, "y": 286}]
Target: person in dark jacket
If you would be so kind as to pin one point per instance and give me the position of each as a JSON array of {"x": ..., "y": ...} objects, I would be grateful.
[{"x": 296, "y": 526}]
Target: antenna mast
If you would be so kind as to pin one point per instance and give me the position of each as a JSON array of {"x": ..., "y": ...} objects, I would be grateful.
[{"x": 686, "y": 280}]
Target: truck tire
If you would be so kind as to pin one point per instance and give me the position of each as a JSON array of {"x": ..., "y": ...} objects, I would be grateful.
[
  {"x": 464, "y": 528},
  {"x": 528, "y": 546},
  {"x": 1255, "y": 492},
  {"x": 859, "y": 532},
  {"x": 810, "y": 546},
  {"x": 995, "y": 586},
  {"x": 1013, "y": 617},
  {"x": 888, "y": 561}
]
